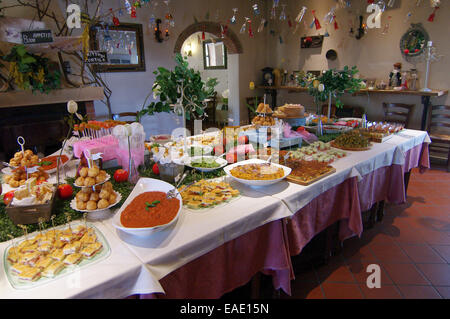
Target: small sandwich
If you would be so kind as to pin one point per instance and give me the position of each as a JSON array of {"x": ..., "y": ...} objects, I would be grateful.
[
  {"x": 26, "y": 243},
  {"x": 45, "y": 248},
  {"x": 73, "y": 259},
  {"x": 32, "y": 274},
  {"x": 88, "y": 238},
  {"x": 58, "y": 255},
  {"x": 53, "y": 269},
  {"x": 29, "y": 258},
  {"x": 66, "y": 236},
  {"x": 91, "y": 250},
  {"x": 72, "y": 248},
  {"x": 194, "y": 204},
  {"x": 59, "y": 244},
  {"x": 79, "y": 230},
  {"x": 44, "y": 262},
  {"x": 20, "y": 268}
]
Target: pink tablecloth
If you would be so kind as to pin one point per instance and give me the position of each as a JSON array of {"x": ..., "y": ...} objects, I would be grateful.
[{"x": 233, "y": 265}]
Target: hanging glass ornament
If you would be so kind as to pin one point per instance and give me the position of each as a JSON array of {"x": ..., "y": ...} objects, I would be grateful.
[
  {"x": 329, "y": 17},
  {"x": 256, "y": 11},
  {"x": 433, "y": 14},
  {"x": 115, "y": 21},
  {"x": 233, "y": 18},
  {"x": 301, "y": 14},
  {"x": 262, "y": 24},
  {"x": 435, "y": 3},
  {"x": 391, "y": 3},
  {"x": 250, "y": 31},
  {"x": 283, "y": 13},
  {"x": 312, "y": 24},
  {"x": 408, "y": 17},
  {"x": 326, "y": 35},
  {"x": 386, "y": 26},
  {"x": 128, "y": 6},
  {"x": 316, "y": 21},
  {"x": 244, "y": 26},
  {"x": 273, "y": 11},
  {"x": 133, "y": 12},
  {"x": 382, "y": 5}
]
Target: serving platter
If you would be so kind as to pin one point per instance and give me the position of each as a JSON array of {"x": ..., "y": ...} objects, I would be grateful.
[
  {"x": 19, "y": 284},
  {"x": 296, "y": 180},
  {"x": 228, "y": 169},
  {"x": 73, "y": 205},
  {"x": 146, "y": 185},
  {"x": 349, "y": 148}
]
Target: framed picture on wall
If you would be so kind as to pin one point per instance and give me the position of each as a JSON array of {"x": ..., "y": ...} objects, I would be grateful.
[{"x": 123, "y": 44}]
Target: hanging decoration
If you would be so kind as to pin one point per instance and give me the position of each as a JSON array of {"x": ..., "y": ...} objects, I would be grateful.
[
  {"x": 128, "y": 6},
  {"x": 273, "y": 11},
  {"x": 330, "y": 18},
  {"x": 158, "y": 33},
  {"x": 433, "y": 14},
  {"x": 435, "y": 3},
  {"x": 233, "y": 18},
  {"x": 316, "y": 21},
  {"x": 115, "y": 20},
  {"x": 386, "y": 26},
  {"x": 133, "y": 12},
  {"x": 391, "y": 3},
  {"x": 250, "y": 31},
  {"x": 262, "y": 24},
  {"x": 283, "y": 16},
  {"x": 408, "y": 17},
  {"x": 289, "y": 22},
  {"x": 256, "y": 11},
  {"x": 244, "y": 26},
  {"x": 224, "y": 30},
  {"x": 300, "y": 15}
]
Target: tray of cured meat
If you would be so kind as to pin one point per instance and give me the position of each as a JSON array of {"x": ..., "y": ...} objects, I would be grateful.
[{"x": 308, "y": 172}]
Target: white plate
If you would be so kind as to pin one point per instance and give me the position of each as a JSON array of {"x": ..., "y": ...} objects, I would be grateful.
[
  {"x": 108, "y": 177},
  {"x": 228, "y": 169},
  {"x": 350, "y": 119},
  {"x": 53, "y": 170},
  {"x": 146, "y": 185},
  {"x": 73, "y": 205},
  {"x": 218, "y": 160}
]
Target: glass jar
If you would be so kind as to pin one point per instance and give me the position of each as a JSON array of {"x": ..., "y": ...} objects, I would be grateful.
[{"x": 414, "y": 80}]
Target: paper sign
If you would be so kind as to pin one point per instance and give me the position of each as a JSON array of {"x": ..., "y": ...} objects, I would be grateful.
[
  {"x": 96, "y": 156},
  {"x": 37, "y": 36},
  {"x": 31, "y": 170},
  {"x": 96, "y": 57}
]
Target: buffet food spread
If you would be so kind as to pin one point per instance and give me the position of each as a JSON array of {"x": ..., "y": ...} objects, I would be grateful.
[{"x": 211, "y": 168}]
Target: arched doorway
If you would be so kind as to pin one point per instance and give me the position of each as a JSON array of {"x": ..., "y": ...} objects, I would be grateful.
[{"x": 234, "y": 48}]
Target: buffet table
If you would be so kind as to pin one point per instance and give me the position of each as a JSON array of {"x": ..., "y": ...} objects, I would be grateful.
[{"x": 208, "y": 253}]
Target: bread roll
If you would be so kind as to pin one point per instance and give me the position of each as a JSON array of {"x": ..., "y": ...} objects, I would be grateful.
[{"x": 91, "y": 205}]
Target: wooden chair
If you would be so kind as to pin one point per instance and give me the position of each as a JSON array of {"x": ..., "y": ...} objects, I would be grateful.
[
  {"x": 398, "y": 113},
  {"x": 211, "y": 106},
  {"x": 120, "y": 116},
  {"x": 345, "y": 111},
  {"x": 439, "y": 131}
]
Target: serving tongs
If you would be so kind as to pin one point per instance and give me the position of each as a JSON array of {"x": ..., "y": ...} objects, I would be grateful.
[{"x": 178, "y": 180}]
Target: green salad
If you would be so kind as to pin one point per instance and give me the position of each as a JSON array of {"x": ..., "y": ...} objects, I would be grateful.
[{"x": 205, "y": 163}]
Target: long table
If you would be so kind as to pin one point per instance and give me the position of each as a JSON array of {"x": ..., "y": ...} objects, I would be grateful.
[{"x": 206, "y": 254}]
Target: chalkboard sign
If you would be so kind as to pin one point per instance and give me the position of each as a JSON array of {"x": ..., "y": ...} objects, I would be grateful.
[
  {"x": 96, "y": 57},
  {"x": 37, "y": 36}
]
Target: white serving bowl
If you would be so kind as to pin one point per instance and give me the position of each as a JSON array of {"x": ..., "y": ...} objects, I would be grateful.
[
  {"x": 221, "y": 161},
  {"x": 146, "y": 185},
  {"x": 228, "y": 169}
]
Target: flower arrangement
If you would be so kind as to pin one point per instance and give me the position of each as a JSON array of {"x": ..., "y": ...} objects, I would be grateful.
[
  {"x": 184, "y": 85},
  {"x": 30, "y": 71},
  {"x": 333, "y": 84}
]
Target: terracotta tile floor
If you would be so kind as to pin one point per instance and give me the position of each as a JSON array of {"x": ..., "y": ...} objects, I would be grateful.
[{"x": 411, "y": 245}]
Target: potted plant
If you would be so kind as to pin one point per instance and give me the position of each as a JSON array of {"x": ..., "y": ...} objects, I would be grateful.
[
  {"x": 184, "y": 86},
  {"x": 332, "y": 84}
]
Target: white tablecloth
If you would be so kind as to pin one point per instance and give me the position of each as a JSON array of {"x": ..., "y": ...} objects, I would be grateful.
[{"x": 135, "y": 265}]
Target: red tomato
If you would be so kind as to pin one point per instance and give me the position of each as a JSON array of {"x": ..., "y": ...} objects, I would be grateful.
[
  {"x": 243, "y": 139},
  {"x": 8, "y": 197},
  {"x": 218, "y": 150},
  {"x": 120, "y": 175},
  {"x": 155, "y": 169},
  {"x": 231, "y": 158},
  {"x": 65, "y": 191}
]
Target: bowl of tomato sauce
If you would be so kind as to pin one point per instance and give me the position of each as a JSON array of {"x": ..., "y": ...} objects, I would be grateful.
[{"x": 148, "y": 209}]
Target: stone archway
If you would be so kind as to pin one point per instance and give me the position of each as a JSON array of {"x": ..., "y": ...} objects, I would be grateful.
[{"x": 231, "y": 41}]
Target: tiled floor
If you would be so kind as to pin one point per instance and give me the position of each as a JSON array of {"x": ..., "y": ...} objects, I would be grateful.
[{"x": 411, "y": 245}]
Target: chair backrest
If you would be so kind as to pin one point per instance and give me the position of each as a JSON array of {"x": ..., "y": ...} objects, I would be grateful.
[
  {"x": 398, "y": 113},
  {"x": 439, "y": 121},
  {"x": 120, "y": 116}
]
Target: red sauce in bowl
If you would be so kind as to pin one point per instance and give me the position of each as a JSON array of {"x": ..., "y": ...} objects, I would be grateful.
[
  {"x": 140, "y": 213},
  {"x": 53, "y": 160}
]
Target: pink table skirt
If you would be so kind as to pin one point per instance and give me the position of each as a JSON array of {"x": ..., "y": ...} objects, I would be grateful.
[
  {"x": 417, "y": 157},
  {"x": 233, "y": 265},
  {"x": 340, "y": 203}
]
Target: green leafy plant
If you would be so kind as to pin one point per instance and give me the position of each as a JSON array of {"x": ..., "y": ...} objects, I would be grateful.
[
  {"x": 335, "y": 83},
  {"x": 181, "y": 83},
  {"x": 30, "y": 71}
]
